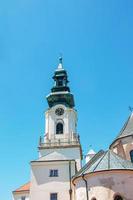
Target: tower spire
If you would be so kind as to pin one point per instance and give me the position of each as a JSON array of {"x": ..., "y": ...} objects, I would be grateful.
[{"x": 60, "y": 92}]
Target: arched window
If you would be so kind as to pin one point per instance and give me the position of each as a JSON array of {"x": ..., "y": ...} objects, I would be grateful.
[
  {"x": 118, "y": 197},
  {"x": 59, "y": 128},
  {"x": 93, "y": 198},
  {"x": 131, "y": 155}
]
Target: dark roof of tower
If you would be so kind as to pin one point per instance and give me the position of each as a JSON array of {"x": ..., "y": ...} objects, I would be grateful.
[
  {"x": 60, "y": 92},
  {"x": 127, "y": 129},
  {"x": 103, "y": 161}
]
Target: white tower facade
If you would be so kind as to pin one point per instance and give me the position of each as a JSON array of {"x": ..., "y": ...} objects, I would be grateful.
[
  {"x": 60, "y": 151},
  {"x": 57, "y": 117}
]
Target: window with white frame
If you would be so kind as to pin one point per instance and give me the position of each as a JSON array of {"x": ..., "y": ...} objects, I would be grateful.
[
  {"x": 53, "y": 173},
  {"x": 53, "y": 196}
]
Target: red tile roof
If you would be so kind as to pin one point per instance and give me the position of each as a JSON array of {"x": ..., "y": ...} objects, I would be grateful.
[{"x": 23, "y": 188}]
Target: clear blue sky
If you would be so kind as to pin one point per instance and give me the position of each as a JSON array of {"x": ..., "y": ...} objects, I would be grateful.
[{"x": 96, "y": 39}]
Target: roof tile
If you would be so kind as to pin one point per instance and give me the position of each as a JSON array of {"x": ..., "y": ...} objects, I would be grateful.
[
  {"x": 23, "y": 188},
  {"x": 105, "y": 161}
]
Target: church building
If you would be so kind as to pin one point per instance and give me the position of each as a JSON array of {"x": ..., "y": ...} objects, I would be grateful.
[{"x": 58, "y": 173}]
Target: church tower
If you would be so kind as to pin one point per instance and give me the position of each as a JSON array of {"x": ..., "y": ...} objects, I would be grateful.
[{"x": 60, "y": 151}]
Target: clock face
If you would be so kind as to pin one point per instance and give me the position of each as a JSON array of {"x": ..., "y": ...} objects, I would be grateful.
[{"x": 59, "y": 111}]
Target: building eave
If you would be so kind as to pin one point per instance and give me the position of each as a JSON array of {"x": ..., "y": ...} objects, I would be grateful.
[
  {"x": 102, "y": 172},
  {"x": 45, "y": 161},
  {"x": 21, "y": 192}
]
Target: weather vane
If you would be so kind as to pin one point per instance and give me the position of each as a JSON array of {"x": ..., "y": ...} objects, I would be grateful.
[
  {"x": 130, "y": 108},
  {"x": 60, "y": 58}
]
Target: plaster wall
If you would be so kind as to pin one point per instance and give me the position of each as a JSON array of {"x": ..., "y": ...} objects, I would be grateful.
[
  {"x": 123, "y": 147},
  {"x": 70, "y": 153},
  {"x": 69, "y": 119},
  {"x": 105, "y": 185},
  {"x": 42, "y": 185},
  {"x": 127, "y": 146}
]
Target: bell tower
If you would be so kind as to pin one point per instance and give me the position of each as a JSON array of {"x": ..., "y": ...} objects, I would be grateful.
[
  {"x": 61, "y": 119},
  {"x": 60, "y": 151}
]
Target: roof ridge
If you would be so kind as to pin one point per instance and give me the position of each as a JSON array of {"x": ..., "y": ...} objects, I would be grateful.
[
  {"x": 123, "y": 132},
  {"x": 44, "y": 156},
  {"x": 89, "y": 163},
  {"x": 124, "y": 126},
  {"x": 108, "y": 159},
  {"x": 49, "y": 155},
  {"x": 95, "y": 157},
  {"x": 100, "y": 161}
]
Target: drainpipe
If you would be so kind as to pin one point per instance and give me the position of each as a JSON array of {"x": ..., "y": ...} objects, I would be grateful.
[
  {"x": 74, "y": 189},
  {"x": 70, "y": 175},
  {"x": 86, "y": 185}
]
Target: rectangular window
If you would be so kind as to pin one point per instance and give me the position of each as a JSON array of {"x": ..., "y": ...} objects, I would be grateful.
[
  {"x": 23, "y": 198},
  {"x": 60, "y": 83},
  {"x": 53, "y": 173},
  {"x": 53, "y": 196}
]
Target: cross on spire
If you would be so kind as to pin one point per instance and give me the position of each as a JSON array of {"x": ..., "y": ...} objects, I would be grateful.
[{"x": 60, "y": 66}]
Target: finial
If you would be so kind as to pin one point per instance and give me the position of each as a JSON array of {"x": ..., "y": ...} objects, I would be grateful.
[
  {"x": 60, "y": 66},
  {"x": 130, "y": 109},
  {"x": 60, "y": 59}
]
